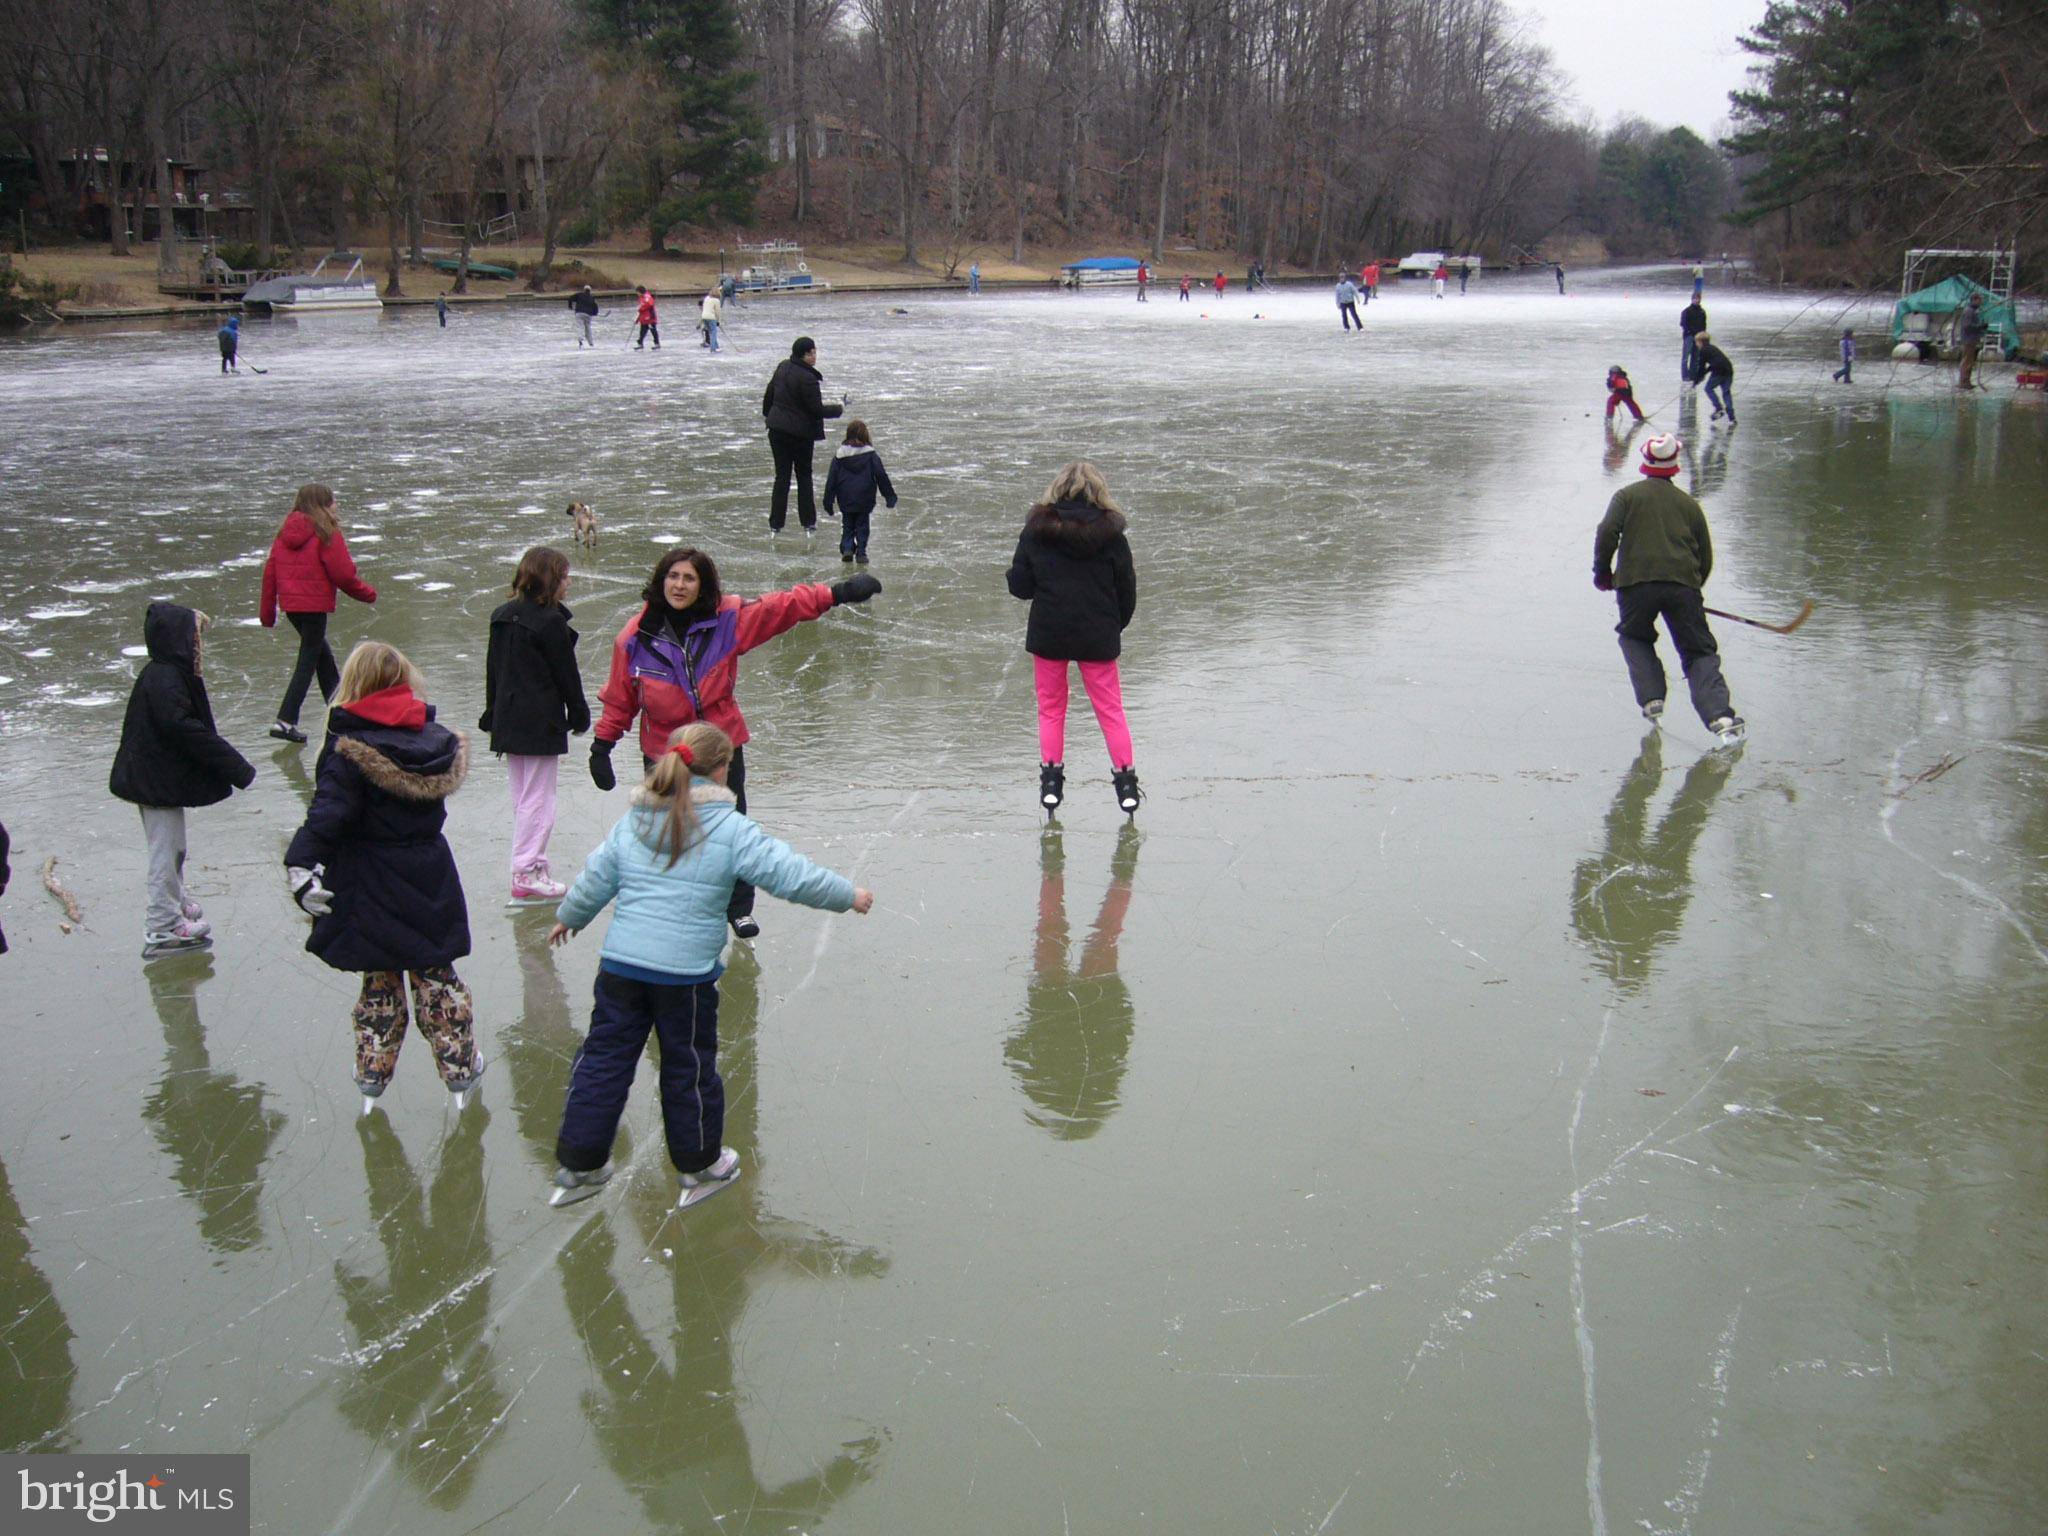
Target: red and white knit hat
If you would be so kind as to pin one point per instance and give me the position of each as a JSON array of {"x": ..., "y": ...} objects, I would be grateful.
[{"x": 1660, "y": 454}]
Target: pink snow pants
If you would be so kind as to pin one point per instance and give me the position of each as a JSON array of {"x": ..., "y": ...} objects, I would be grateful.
[
  {"x": 1105, "y": 692},
  {"x": 533, "y": 808}
]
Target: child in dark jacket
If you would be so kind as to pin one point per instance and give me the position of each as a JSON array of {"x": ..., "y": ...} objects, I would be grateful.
[
  {"x": 533, "y": 702},
  {"x": 1621, "y": 392},
  {"x": 1846, "y": 374},
  {"x": 850, "y": 485},
  {"x": 374, "y": 871},
  {"x": 172, "y": 758},
  {"x": 1073, "y": 565}
]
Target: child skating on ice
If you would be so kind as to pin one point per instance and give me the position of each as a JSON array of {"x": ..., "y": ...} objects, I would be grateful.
[
  {"x": 851, "y": 484},
  {"x": 533, "y": 703},
  {"x": 1073, "y": 565},
  {"x": 171, "y": 758},
  {"x": 1621, "y": 392},
  {"x": 670, "y": 864},
  {"x": 1846, "y": 374},
  {"x": 375, "y": 873}
]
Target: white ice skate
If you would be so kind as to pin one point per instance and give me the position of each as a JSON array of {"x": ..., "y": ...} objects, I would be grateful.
[
  {"x": 460, "y": 1097},
  {"x": 706, "y": 1182},
  {"x": 572, "y": 1185}
]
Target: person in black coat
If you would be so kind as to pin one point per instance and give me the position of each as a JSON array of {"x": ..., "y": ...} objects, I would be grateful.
[
  {"x": 1711, "y": 364},
  {"x": 1073, "y": 565},
  {"x": 796, "y": 411},
  {"x": 5, "y": 847},
  {"x": 171, "y": 759},
  {"x": 851, "y": 484},
  {"x": 373, "y": 869},
  {"x": 533, "y": 702}
]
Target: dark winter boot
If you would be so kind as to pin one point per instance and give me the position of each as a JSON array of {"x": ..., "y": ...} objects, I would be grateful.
[
  {"x": 1052, "y": 786},
  {"x": 1127, "y": 792}
]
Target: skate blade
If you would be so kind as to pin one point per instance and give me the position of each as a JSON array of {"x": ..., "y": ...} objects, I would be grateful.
[
  {"x": 533, "y": 901},
  {"x": 369, "y": 1108},
  {"x": 461, "y": 1100},
  {"x": 562, "y": 1197},
  {"x": 698, "y": 1194}
]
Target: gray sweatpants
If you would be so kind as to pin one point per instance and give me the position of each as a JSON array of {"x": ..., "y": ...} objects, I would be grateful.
[
  {"x": 583, "y": 336},
  {"x": 164, "y": 826}
]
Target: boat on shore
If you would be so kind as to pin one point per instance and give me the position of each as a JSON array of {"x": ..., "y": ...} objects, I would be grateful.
[
  {"x": 1094, "y": 271},
  {"x": 321, "y": 288},
  {"x": 777, "y": 264}
]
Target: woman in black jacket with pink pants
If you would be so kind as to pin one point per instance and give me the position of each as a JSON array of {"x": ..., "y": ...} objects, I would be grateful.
[{"x": 1073, "y": 565}]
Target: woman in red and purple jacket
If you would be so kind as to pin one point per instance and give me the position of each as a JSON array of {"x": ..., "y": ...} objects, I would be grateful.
[
  {"x": 677, "y": 661},
  {"x": 308, "y": 563}
]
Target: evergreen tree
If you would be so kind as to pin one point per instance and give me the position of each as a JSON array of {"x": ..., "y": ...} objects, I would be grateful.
[{"x": 696, "y": 153}]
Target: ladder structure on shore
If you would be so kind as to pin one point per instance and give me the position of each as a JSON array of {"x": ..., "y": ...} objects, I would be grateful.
[{"x": 2001, "y": 265}]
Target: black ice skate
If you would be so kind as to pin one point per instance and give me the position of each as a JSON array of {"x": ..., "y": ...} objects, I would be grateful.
[
  {"x": 1052, "y": 786},
  {"x": 1127, "y": 792}
]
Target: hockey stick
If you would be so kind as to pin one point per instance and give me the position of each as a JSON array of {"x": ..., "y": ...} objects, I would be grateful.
[{"x": 1805, "y": 613}]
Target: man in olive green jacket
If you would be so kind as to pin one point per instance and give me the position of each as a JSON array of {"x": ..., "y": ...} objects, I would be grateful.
[{"x": 1665, "y": 558}]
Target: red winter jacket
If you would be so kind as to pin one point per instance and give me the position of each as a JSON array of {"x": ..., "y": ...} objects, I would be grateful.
[
  {"x": 646, "y": 315},
  {"x": 668, "y": 683},
  {"x": 301, "y": 574}
]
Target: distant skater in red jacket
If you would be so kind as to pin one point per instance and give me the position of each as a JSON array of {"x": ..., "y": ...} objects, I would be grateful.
[
  {"x": 308, "y": 563},
  {"x": 649, "y": 322}
]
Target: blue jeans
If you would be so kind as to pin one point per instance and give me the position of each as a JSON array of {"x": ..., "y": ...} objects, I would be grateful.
[
  {"x": 685, "y": 1017},
  {"x": 1686, "y": 359},
  {"x": 711, "y": 334},
  {"x": 1719, "y": 393}
]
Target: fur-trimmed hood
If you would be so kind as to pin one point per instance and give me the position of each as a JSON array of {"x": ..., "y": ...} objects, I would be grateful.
[
  {"x": 1080, "y": 527},
  {"x": 852, "y": 450},
  {"x": 702, "y": 792},
  {"x": 433, "y": 773}
]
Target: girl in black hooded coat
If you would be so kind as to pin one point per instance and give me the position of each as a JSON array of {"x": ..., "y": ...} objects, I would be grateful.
[
  {"x": 1073, "y": 565},
  {"x": 375, "y": 872},
  {"x": 172, "y": 759},
  {"x": 533, "y": 702}
]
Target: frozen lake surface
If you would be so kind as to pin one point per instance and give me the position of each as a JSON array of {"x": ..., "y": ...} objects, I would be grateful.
[{"x": 1453, "y": 1109}]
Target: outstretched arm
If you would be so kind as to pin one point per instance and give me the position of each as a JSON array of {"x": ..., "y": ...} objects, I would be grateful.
[{"x": 773, "y": 613}]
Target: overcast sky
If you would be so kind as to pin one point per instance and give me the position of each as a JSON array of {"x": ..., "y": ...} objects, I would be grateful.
[{"x": 1669, "y": 62}]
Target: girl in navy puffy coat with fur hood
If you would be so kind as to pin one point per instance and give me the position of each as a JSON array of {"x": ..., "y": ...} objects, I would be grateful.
[{"x": 375, "y": 872}]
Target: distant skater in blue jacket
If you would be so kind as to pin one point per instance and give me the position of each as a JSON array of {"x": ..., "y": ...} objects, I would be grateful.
[
  {"x": 851, "y": 484},
  {"x": 670, "y": 863}
]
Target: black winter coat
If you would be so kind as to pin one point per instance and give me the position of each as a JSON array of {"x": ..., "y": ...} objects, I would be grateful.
[
  {"x": 1710, "y": 361},
  {"x": 4, "y": 847},
  {"x": 1073, "y": 564},
  {"x": 375, "y": 823},
  {"x": 854, "y": 478},
  {"x": 533, "y": 694},
  {"x": 794, "y": 401},
  {"x": 1692, "y": 320},
  {"x": 170, "y": 753}
]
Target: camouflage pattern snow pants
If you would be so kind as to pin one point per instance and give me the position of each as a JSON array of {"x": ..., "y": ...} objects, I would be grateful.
[{"x": 440, "y": 1007}]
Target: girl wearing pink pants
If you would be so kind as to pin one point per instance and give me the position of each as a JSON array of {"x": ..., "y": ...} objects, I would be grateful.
[
  {"x": 1073, "y": 565},
  {"x": 533, "y": 700}
]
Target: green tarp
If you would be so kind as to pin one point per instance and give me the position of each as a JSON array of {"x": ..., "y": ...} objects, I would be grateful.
[{"x": 1947, "y": 299}]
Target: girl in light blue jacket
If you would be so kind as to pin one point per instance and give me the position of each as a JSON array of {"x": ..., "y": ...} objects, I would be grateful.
[{"x": 670, "y": 863}]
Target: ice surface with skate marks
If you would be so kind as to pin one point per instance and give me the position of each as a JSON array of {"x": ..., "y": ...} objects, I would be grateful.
[{"x": 1446, "y": 1108}]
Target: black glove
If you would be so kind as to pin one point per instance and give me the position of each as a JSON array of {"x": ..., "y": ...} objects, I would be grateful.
[
  {"x": 855, "y": 589},
  {"x": 1603, "y": 580},
  {"x": 601, "y": 766}
]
